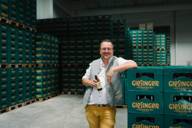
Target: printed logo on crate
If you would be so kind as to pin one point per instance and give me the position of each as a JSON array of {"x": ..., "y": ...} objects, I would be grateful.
[
  {"x": 178, "y": 78},
  {"x": 140, "y": 125},
  {"x": 144, "y": 104},
  {"x": 182, "y": 106},
  {"x": 178, "y": 102},
  {"x": 181, "y": 83},
  {"x": 145, "y": 83}
]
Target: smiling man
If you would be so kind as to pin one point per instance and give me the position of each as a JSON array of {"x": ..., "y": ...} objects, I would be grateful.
[{"x": 104, "y": 88}]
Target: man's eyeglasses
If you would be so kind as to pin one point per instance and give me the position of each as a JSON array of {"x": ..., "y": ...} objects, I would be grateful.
[{"x": 109, "y": 49}]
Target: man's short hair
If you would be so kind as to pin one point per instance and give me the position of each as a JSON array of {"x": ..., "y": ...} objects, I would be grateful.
[{"x": 106, "y": 40}]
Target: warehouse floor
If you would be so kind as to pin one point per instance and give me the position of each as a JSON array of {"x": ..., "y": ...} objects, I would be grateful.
[{"x": 64, "y": 111}]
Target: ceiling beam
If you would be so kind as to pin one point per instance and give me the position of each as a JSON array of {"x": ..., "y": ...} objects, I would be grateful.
[{"x": 62, "y": 6}]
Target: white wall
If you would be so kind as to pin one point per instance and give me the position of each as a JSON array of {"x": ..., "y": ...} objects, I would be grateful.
[
  {"x": 183, "y": 38},
  {"x": 44, "y": 9}
]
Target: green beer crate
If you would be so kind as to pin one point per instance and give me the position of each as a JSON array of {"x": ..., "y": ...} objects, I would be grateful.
[
  {"x": 8, "y": 45},
  {"x": 39, "y": 96},
  {"x": 123, "y": 81},
  {"x": 4, "y": 89},
  {"x": 41, "y": 90},
  {"x": 178, "y": 78},
  {"x": 13, "y": 100},
  {"x": 0, "y": 99},
  {"x": 5, "y": 102},
  {"x": 5, "y": 43},
  {"x": 4, "y": 8},
  {"x": 177, "y": 121},
  {"x": 178, "y": 103},
  {"x": 20, "y": 97},
  {"x": 144, "y": 79},
  {"x": 28, "y": 96},
  {"x": 5, "y": 93},
  {"x": 136, "y": 120},
  {"x": 1, "y": 53},
  {"x": 144, "y": 102},
  {"x": 12, "y": 9},
  {"x": 13, "y": 85},
  {"x": 160, "y": 39},
  {"x": 21, "y": 83}
]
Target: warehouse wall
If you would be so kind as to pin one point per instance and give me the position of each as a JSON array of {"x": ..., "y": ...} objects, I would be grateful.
[
  {"x": 44, "y": 9},
  {"x": 183, "y": 38},
  {"x": 157, "y": 18}
]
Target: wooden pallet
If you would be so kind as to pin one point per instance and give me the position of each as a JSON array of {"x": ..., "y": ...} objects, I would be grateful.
[
  {"x": 13, "y": 107},
  {"x": 4, "y": 65},
  {"x": 3, "y": 110},
  {"x": 30, "y": 101},
  {"x": 4, "y": 20},
  {"x": 17, "y": 24},
  {"x": 14, "y": 23}
]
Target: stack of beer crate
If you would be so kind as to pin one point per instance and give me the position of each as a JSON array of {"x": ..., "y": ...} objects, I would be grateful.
[
  {"x": 160, "y": 53},
  {"x": 144, "y": 97},
  {"x": 118, "y": 37},
  {"x": 134, "y": 45},
  {"x": 47, "y": 61},
  {"x": 159, "y": 96},
  {"x": 141, "y": 44},
  {"x": 17, "y": 47},
  {"x": 19, "y": 11},
  {"x": 147, "y": 47},
  {"x": 178, "y": 97},
  {"x": 80, "y": 38}
]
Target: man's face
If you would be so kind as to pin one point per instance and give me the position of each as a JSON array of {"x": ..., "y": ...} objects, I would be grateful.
[{"x": 106, "y": 50}]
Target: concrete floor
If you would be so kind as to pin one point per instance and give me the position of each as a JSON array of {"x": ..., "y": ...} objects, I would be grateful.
[{"x": 64, "y": 111}]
